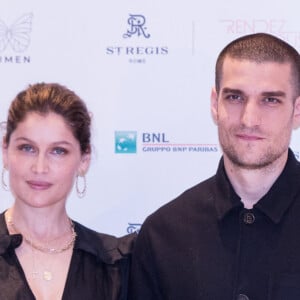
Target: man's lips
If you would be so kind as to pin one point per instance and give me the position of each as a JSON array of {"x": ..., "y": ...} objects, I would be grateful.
[
  {"x": 39, "y": 185},
  {"x": 249, "y": 137}
]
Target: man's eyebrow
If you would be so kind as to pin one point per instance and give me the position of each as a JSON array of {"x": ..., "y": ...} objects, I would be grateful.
[
  {"x": 233, "y": 91},
  {"x": 265, "y": 94},
  {"x": 274, "y": 93}
]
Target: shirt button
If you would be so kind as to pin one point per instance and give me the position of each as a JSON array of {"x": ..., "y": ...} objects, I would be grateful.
[
  {"x": 249, "y": 218},
  {"x": 242, "y": 297}
]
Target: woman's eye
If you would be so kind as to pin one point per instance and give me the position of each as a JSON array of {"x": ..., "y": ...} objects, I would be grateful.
[
  {"x": 26, "y": 148},
  {"x": 59, "y": 151}
]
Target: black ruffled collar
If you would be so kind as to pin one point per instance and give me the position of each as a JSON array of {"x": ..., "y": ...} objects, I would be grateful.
[
  {"x": 106, "y": 248},
  {"x": 7, "y": 241}
]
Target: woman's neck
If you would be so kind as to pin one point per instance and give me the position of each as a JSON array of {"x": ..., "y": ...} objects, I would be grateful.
[{"x": 39, "y": 223}]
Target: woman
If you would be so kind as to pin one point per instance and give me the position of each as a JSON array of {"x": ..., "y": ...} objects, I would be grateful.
[{"x": 43, "y": 253}]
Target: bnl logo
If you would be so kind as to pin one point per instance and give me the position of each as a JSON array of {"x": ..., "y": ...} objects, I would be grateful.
[
  {"x": 136, "y": 26},
  {"x": 125, "y": 141}
]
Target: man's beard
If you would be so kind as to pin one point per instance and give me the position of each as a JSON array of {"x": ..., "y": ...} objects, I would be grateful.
[
  {"x": 267, "y": 159},
  {"x": 260, "y": 158}
]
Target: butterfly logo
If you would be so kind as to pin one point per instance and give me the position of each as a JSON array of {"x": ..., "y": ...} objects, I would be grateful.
[{"x": 17, "y": 35}]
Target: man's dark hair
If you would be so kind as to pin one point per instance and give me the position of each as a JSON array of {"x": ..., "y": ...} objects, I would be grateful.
[{"x": 260, "y": 48}]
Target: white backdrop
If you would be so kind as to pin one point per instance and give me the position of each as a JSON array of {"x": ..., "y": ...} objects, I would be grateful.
[{"x": 145, "y": 69}]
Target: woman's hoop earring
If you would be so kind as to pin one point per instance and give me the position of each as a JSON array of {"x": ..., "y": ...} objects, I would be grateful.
[
  {"x": 80, "y": 188},
  {"x": 3, "y": 183}
]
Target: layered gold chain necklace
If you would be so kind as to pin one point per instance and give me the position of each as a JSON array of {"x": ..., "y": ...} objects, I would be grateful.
[
  {"x": 47, "y": 273},
  {"x": 43, "y": 248}
]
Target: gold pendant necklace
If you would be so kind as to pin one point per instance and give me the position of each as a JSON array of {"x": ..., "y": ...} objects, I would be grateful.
[{"x": 47, "y": 275}]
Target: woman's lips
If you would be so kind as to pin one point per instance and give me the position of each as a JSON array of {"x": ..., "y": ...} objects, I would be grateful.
[{"x": 39, "y": 185}]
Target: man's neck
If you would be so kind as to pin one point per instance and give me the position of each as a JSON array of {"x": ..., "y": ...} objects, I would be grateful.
[{"x": 252, "y": 184}]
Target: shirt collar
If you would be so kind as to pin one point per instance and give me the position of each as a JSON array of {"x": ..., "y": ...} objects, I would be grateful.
[
  {"x": 274, "y": 204},
  {"x": 225, "y": 197},
  {"x": 7, "y": 241},
  {"x": 283, "y": 192},
  {"x": 105, "y": 247}
]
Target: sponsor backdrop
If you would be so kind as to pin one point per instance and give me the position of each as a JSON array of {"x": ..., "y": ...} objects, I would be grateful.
[{"x": 145, "y": 69}]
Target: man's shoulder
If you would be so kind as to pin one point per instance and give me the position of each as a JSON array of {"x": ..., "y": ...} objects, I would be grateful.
[{"x": 191, "y": 201}]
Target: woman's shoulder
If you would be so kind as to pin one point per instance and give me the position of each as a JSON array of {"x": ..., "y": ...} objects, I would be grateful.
[{"x": 107, "y": 248}]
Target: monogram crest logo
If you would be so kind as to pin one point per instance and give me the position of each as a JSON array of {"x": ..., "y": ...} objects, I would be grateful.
[{"x": 136, "y": 27}]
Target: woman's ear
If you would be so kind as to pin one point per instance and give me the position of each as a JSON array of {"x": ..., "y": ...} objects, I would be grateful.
[
  {"x": 4, "y": 153},
  {"x": 84, "y": 164}
]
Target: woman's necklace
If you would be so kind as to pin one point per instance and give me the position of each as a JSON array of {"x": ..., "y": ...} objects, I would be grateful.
[
  {"x": 45, "y": 248},
  {"x": 46, "y": 274}
]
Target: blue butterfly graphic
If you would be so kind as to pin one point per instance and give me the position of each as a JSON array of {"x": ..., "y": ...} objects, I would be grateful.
[{"x": 17, "y": 35}]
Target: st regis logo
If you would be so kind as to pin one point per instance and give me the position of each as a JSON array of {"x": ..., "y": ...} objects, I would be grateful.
[{"x": 136, "y": 27}]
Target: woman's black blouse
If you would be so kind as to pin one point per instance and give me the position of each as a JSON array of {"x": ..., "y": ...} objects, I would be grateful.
[{"x": 99, "y": 267}]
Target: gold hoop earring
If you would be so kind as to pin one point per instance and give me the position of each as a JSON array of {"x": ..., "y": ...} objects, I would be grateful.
[
  {"x": 3, "y": 183},
  {"x": 80, "y": 191}
]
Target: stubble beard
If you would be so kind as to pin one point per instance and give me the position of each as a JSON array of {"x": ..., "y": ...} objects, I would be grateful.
[{"x": 263, "y": 160}]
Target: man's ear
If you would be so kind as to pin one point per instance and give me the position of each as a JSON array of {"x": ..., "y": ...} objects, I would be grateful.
[
  {"x": 296, "y": 117},
  {"x": 214, "y": 105}
]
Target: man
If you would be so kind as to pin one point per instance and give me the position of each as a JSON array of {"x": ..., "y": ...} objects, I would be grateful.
[{"x": 237, "y": 234}]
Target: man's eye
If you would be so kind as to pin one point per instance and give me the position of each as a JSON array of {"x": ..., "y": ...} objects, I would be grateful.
[
  {"x": 271, "y": 100},
  {"x": 233, "y": 97}
]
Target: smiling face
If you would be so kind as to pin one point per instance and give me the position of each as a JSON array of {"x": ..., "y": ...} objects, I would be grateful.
[
  {"x": 43, "y": 158},
  {"x": 255, "y": 112}
]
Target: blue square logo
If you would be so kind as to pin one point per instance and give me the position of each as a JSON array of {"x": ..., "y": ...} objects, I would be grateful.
[{"x": 125, "y": 142}]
